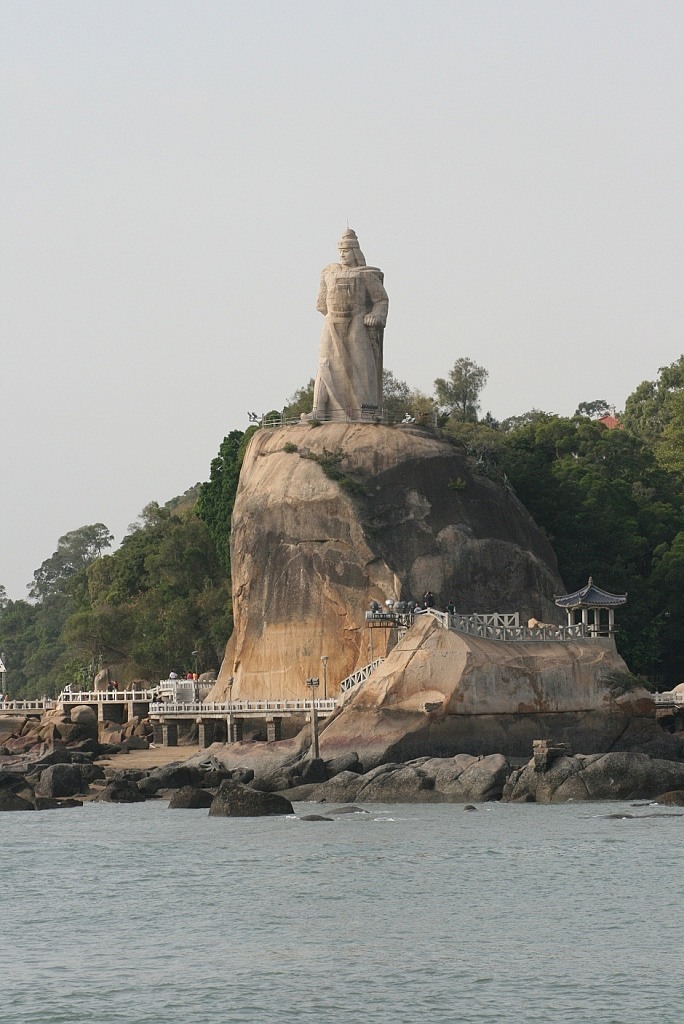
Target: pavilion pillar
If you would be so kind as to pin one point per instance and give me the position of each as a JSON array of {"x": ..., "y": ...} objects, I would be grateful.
[{"x": 611, "y": 621}]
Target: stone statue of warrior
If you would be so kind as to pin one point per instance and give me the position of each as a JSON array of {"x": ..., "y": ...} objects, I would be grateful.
[{"x": 354, "y": 303}]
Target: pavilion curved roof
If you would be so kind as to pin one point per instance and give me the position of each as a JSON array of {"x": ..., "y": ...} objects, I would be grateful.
[{"x": 590, "y": 596}]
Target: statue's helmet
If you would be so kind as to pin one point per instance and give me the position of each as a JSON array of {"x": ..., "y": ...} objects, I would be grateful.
[{"x": 350, "y": 241}]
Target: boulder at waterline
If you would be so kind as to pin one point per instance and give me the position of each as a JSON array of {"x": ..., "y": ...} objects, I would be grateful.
[
  {"x": 61, "y": 780},
  {"x": 460, "y": 779},
  {"x": 613, "y": 776},
  {"x": 123, "y": 792},
  {"x": 234, "y": 800},
  {"x": 674, "y": 798},
  {"x": 10, "y": 801},
  {"x": 190, "y": 798}
]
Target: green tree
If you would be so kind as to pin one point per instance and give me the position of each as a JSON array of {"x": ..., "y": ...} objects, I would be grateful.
[
  {"x": 217, "y": 497},
  {"x": 459, "y": 395},
  {"x": 668, "y": 583},
  {"x": 396, "y": 397},
  {"x": 608, "y": 508},
  {"x": 670, "y": 446},
  {"x": 75, "y": 551},
  {"x": 650, "y": 406},
  {"x": 301, "y": 401},
  {"x": 162, "y": 595},
  {"x": 599, "y": 407}
]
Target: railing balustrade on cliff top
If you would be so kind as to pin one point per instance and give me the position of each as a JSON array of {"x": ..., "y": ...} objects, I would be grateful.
[
  {"x": 505, "y": 627},
  {"x": 366, "y": 415}
]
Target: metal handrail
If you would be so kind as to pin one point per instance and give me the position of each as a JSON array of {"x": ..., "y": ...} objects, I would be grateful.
[{"x": 360, "y": 675}]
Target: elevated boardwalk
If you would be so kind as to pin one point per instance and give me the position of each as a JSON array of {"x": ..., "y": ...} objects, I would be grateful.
[{"x": 29, "y": 708}]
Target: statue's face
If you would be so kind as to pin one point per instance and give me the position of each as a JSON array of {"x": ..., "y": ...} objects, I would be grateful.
[{"x": 347, "y": 258}]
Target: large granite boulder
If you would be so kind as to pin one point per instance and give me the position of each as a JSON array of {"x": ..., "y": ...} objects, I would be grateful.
[
  {"x": 459, "y": 779},
  {"x": 123, "y": 792},
  {"x": 464, "y": 778},
  {"x": 10, "y": 801},
  {"x": 170, "y": 776},
  {"x": 61, "y": 780},
  {"x": 310, "y": 550},
  {"x": 234, "y": 800},
  {"x": 439, "y": 693},
  {"x": 613, "y": 776},
  {"x": 190, "y": 798},
  {"x": 84, "y": 714}
]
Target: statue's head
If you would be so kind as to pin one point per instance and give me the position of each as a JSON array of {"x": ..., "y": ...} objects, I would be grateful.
[{"x": 349, "y": 250}]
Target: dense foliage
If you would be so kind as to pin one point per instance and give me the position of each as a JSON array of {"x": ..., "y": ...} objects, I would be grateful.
[
  {"x": 610, "y": 501},
  {"x": 143, "y": 609},
  {"x": 217, "y": 497}
]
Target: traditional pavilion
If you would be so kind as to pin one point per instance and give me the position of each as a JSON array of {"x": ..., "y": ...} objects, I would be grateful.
[{"x": 597, "y": 608}]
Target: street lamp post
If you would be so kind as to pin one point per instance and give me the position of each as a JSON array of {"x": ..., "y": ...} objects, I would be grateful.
[
  {"x": 195, "y": 654},
  {"x": 324, "y": 659},
  {"x": 230, "y": 709},
  {"x": 312, "y": 684}
]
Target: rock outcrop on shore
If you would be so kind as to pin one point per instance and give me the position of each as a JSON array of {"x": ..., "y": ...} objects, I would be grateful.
[
  {"x": 67, "y": 779},
  {"x": 614, "y": 776},
  {"x": 405, "y": 514},
  {"x": 439, "y": 692},
  {"x": 77, "y": 729}
]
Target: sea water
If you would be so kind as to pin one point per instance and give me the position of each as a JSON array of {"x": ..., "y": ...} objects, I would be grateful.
[{"x": 513, "y": 914}]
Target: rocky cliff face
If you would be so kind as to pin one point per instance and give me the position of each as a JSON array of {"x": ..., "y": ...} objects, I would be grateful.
[
  {"x": 406, "y": 515},
  {"x": 442, "y": 693}
]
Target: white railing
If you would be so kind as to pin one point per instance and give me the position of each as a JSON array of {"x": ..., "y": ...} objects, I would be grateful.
[
  {"x": 45, "y": 704},
  {"x": 670, "y": 698},
  {"x": 388, "y": 619},
  {"x": 477, "y": 625},
  {"x": 342, "y": 416},
  {"x": 241, "y": 707},
  {"x": 360, "y": 675},
  {"x": 105, "y": 696}
]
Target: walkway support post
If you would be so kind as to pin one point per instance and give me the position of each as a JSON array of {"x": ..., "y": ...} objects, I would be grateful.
[
  {"x": 231, "y": 736},
  {"x": 315, "y": 754}
]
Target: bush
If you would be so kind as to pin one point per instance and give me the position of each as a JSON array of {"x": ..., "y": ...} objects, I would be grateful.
[{"x": 620, "y": 683}]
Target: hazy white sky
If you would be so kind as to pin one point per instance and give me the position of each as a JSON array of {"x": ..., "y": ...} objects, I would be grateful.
[{"x": 177, "y": 172}]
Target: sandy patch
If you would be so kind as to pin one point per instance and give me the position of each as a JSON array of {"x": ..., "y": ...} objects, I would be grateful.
[{"x": 152, "y": 758}]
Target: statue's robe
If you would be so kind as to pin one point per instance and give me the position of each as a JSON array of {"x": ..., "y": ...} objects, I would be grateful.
[{"x": 349, "y": 378}]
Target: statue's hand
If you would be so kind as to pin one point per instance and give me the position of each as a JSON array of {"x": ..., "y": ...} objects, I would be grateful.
[{"x": 372, "y": 321}]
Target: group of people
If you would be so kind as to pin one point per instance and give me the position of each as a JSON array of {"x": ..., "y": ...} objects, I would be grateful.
[{"x": 410, "y": 607}]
